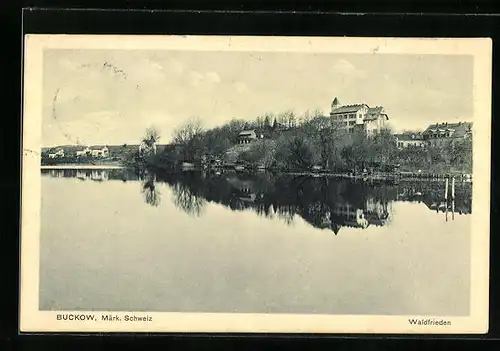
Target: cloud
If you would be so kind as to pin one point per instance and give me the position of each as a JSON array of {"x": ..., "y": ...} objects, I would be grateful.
[
  {"x": 195, "y": 78},
  {"x": 68, "y": 65},
  {"x": 156, "y": 66},
  {"x": 240, "y": 87},
  {"x": 345, "y": 68},
  {"x": 212, "y": 77},
  {"x": 175, "y": 66}
]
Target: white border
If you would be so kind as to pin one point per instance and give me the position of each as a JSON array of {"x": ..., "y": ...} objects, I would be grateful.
[{"x": 32, "y": 320}]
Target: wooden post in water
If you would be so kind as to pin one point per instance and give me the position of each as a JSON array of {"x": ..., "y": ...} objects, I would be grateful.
[
  {"x": 446, "y": 199},
  {"x": 446, "y": 190},
  {"x": 453, "y": 198},
  {"x": 453, "y": 188}
]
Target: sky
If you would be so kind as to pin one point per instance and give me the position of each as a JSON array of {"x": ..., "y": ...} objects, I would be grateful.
[{"x": 110, "y": 97}]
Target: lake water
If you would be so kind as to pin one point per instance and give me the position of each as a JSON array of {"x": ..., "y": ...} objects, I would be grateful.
[{"x": 117, "y": 241}]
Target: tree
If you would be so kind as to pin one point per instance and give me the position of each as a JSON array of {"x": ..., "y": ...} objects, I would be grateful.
[
  {"x": 383, "y": 146},
  {"x": 290, "y": 119},
  {"x": 325, "y": 134},
  {"x": 267, "y": 120},
  {"x": 301, "y": 153},
  {"x": 148, "y": 142},
  {"x": 188, "y": 136},
  {"x": 152, "y": 136}
]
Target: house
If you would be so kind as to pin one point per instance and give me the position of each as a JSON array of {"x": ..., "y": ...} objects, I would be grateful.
[
  {"x": 406, "y": 140},
  {"x": 98, "y": 151},
  {"x": 440, "y": 134},
  {"x": 246, "y": 136},
  {"x": 83, "y": 151},
  {"x": 359, "y": 116},
  {"x": 58, "y": 153}
]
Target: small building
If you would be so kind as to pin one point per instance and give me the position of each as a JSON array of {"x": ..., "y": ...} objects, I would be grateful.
[
  {"x": 83, "y": 151},
  {"x": 246, "y": 136},
  {"x": 442, "y": 133},
  {"x": 406, "y": 140},
  {"x": 58, "y": 153},
  {"x": 99, "y": 151}
]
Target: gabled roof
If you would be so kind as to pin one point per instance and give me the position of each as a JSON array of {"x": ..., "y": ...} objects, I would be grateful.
[
  {"x": 348, "y": 108},
  {"x": 54, "y": 150},
  {"x": 375, "y": 112},
  {"x": 98, "y": 147},
  {"x": 247, "y": 132},
  {"x": 459, "y": 129}
]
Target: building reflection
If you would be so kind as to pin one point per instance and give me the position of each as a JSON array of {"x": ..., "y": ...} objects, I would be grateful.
[
  {"x": 324, "y": 203},
  {"x": 92, "y": 174}
]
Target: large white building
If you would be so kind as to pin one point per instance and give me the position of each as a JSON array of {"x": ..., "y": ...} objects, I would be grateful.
[{"x": 359, "y": 116}]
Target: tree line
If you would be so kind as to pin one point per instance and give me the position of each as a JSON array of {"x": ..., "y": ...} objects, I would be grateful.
[{"x": 300, "y": 142}]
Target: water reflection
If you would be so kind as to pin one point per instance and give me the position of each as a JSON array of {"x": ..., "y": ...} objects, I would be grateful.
[
  {"x": 324, "y": 203},
  {"x": 151, "y": 194}
]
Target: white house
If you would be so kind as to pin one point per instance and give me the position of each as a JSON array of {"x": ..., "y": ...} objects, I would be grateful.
[
  {"x": 406, "y": 140},
  {"x": 58, "y": 153},
  {"x": 83, "y": 152},
  {"x": 99, "y": 151}
]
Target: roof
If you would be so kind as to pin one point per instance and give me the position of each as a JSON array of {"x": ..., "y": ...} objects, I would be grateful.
[
  {"x": 98, "y": 147},
  {"x": 374, "y": 112},
  {"x": 459, "y": 129},
  {"x": 409, "y": 137},
  {"x": 247, "y": 132},
  {"x": 348, "y": 108}
]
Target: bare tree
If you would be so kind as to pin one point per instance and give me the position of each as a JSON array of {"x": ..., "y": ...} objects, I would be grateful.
[
  {"x": 150, "y": 139},
  {"x": 152, "y": 136},
  {"x": 185, "y": 133},
  {"x": 188, "y": 137}
]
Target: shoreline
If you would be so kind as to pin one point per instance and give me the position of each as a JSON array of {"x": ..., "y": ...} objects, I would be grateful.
[
  {"x": 368, "y": 178},
  {"x": 82, "y": 166}
]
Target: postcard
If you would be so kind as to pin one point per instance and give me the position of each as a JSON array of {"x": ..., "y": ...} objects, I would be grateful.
[{"x": 228, "y": 184}]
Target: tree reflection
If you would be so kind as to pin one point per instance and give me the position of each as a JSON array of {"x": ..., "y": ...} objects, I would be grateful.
[
  {"x": 151, "y": 193},
  {"x": 186, "y": 200},
  {"x": 324, "y": 203}
]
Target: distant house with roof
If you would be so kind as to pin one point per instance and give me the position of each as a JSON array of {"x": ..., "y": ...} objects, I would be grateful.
[
  {"x": 98, "y": 151},
  {"x": 441, "y": 133},
  {"x": 83, "y": 151},
  {"x": 57, "y": 153},
  {"x": 409, "y": 139},
  {"x": 359, "y": 117},
  {"x": 246, "y": 136}
]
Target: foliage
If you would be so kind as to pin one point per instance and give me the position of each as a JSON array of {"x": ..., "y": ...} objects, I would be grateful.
[
  {"x": 293, "y": 141},
  {"x": 152, "y": 136}
]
